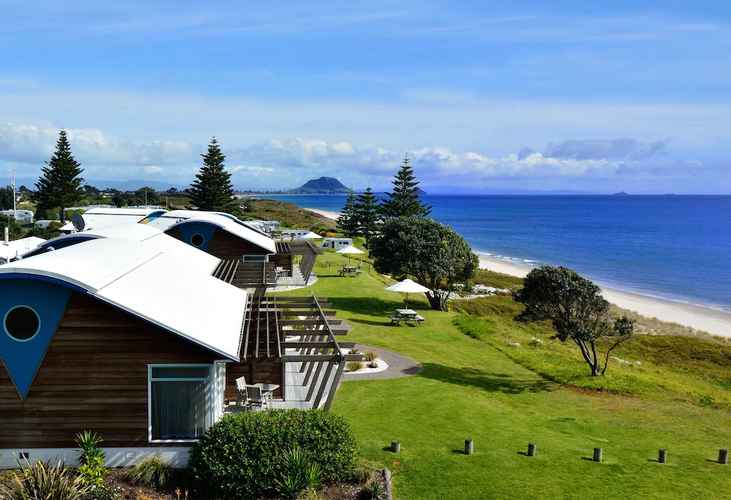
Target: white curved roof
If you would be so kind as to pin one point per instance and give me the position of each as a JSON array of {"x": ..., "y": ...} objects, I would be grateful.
[
  {"x": 16, "y": 248},
  {"x": 153, "y": 281},
  {"x": 97, "y": 218},
  {"x": 226, "y": 222},
  {"x": 155, "y": 238}
]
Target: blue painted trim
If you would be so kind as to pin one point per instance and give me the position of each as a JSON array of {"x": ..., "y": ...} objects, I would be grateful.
[
  {"x": 190, "y": 228},
  {"x": 39, "y": 277},
  {"x": 23, "y": 359}
]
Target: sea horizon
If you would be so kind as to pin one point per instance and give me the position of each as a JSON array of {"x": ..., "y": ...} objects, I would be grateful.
[{"x": 647, "y": 246}]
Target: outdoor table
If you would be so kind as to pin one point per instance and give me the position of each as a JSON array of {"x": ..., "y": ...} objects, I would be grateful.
[
  {"x": 268, "y": 389},
  {"x": 406, "y": 313},
  {"x": 347, "y": 270}
]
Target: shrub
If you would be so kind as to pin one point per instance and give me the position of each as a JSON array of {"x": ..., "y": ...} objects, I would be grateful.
[
  {"x": 153, "y": 472},
  {"x": 298, "y": 474},
  {"x": 353, "y": 366},
  {"x": 244, "y": 454},
  {"x": 44, "y": 481},
  {"x": 91, "y": 471},
  {"x": 371, "y": 356}
]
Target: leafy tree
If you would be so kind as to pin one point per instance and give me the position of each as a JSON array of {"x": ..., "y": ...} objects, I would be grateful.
[
  {"x": 60, "y": 184},
  {"x": 434, "y": 254},
  {"x": 6, "y": 198},
  {"x": 404, "y": 201},
  {"x": 348, "y": 220},
  {"x": 366, "y": 214},
  {"x": 14, "y": 229},
  {"x": 146, "y": 196},
  {"x": 212, "y": 188},
  {"x": 577, "y": 310}
]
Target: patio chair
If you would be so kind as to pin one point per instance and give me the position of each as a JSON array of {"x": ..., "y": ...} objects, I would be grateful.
[
  {"x": 256, "y": 397},
  {"x": 242, "y": 396}
]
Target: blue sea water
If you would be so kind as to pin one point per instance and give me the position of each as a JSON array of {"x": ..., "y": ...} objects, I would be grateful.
[{"x": 675, "y": 247}]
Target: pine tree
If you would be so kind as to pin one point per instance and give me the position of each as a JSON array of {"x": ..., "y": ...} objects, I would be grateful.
[
  {"x": 60, "y": 184},
  {"x": 366, "y": 212},
  {"x": 348, "y": 220},
  {"x": 212, "y": 188},
  {"x": 404, "y": 201}
]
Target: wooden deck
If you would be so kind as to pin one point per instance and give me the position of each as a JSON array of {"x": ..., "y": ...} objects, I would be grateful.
[{"x": 301, "y": 334}]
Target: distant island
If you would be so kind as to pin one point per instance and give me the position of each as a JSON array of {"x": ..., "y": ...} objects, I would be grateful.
[{"x": 322, "y": 185}]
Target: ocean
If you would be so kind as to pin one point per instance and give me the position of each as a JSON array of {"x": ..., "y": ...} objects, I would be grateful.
[{"x": 671, "y": 247}]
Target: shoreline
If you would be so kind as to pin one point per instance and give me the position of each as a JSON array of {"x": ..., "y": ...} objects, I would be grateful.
[
  {"x": 698, "y": 317},
  {"x": 706, "y": 319},
  {"x": 328, "y": 214}
]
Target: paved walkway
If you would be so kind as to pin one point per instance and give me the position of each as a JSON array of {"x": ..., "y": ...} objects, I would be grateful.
[{"x": 398, "y": 365}]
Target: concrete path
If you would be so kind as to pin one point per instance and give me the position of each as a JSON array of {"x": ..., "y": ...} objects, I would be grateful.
[{"x": 398, "y": 365}]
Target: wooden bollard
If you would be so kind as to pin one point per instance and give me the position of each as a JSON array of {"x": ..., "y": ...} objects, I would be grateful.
[
  {"x": 532, "y": 450},
  {"x": 662, "y": 456},
  {"x": 597, "y": 455},
  {"x": 469, "y": 447},
  {"x": 723, "y": 456},
  {"x": 395, "y": 446}
]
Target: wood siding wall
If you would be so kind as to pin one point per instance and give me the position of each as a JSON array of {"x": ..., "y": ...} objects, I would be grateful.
[
  {"x": 94, "y": 376},
  {"x": 225, "y": 245},
  {"x": 267, "y": 371}
]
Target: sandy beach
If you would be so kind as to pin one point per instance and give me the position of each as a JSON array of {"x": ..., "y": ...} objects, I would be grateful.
[
  {"x": 706, "y": 319},
  {"x": 325, "y": 213},
  {"x": 701, "y": 318}
]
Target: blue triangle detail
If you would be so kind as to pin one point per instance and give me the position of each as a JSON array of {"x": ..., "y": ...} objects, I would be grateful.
[{"x": 22, "y": 359}]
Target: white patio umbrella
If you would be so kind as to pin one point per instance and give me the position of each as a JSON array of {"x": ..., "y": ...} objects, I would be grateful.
[
  {"x": 350, "y": 250},
  {"x": 407, "y": 286}
]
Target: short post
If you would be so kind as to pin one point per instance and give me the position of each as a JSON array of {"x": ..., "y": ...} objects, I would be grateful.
[
  {"x": 597, "y": 455},
  {"x": 531, "y": 450},
  {"x": 395, "y": 446},
  {"x": 469, "y": 447},
  {"x": 662, "y": 456},
  {"x": 723, "y": 456}
]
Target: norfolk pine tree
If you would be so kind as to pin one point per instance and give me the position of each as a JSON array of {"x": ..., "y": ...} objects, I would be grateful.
[
  {"x": 403, "y": 200},
  {"x": 348, "y": 220},
  {"x": 366, "y": 213},
  {"x": 60, "y": 183},
  {"x": 212, "y": 188}
]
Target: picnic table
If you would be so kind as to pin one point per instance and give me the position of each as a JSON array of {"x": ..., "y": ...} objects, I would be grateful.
[
  {"x": 349, "y": 270},
  {"x": 407, "y": 316}
]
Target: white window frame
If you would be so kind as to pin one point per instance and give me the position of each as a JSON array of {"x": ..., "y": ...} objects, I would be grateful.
[{"x": 210, "y": 380}]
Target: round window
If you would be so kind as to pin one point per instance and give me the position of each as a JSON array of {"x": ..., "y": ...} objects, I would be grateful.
[
  {"x": 22, "y": 323},
  {"x": 197, "y": 239}
]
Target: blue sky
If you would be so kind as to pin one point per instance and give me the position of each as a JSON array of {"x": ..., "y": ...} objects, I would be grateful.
[{"x": 484, "y": 96}]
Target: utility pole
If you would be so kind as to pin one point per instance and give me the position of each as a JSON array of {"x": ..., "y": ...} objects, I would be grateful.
[{"x": 12, "y": 183}]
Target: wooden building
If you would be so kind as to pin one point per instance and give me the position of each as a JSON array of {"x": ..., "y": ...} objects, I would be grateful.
[{"x": 136, "y": 337}]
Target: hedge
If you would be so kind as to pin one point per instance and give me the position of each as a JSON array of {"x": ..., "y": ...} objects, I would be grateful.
[{"x": 242, "y": 455}]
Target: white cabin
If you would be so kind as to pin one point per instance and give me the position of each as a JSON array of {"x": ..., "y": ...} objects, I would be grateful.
[{"x": 337, "y": 243}]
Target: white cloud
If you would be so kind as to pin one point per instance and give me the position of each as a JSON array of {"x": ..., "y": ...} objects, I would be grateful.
[
  {"x": 32, "y": 143},
  {"x": 285, "y": 162}
]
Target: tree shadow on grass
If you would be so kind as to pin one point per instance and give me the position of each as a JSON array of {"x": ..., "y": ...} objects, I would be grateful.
[
  {"x": 483, "y": 379},
  {"x": 365, "y": 305}
]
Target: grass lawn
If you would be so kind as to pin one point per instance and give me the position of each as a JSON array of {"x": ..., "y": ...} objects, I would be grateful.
[{"x": 475, "y": 387}]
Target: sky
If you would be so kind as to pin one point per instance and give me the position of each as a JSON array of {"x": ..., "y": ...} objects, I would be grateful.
[{"x": 484, "y": 97}]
